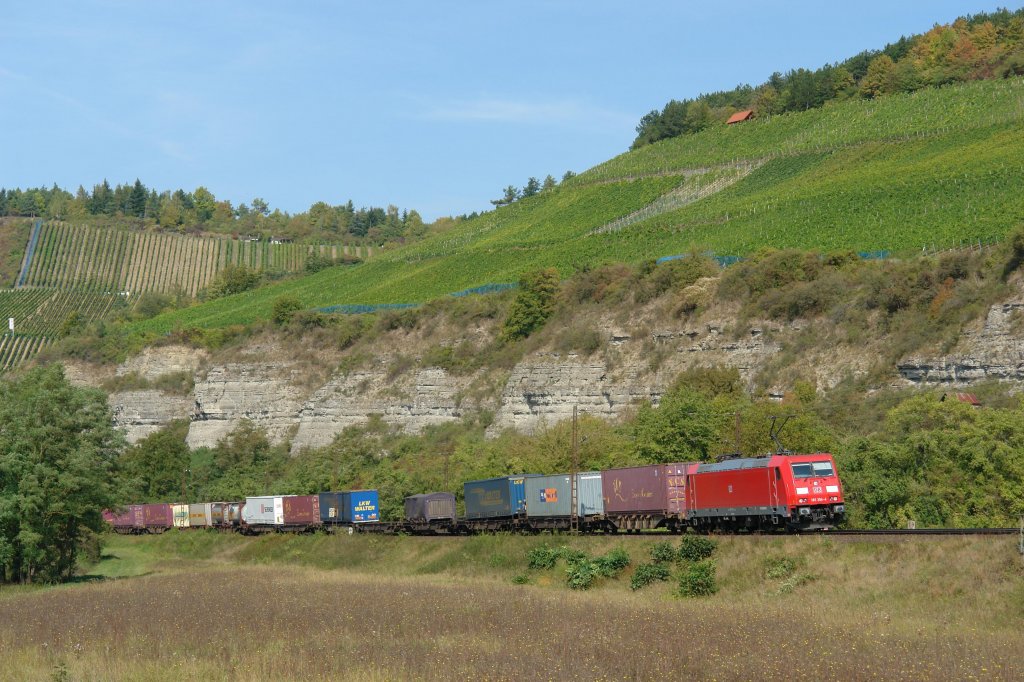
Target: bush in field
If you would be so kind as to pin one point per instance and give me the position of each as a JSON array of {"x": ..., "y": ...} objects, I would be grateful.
[
  {"x": 581, "y": 570},
  {"x": 612, "y": 563},
  {"x": 543, "y": 557},
  {"x": 663, "y": 553},
  {"x": 648, "y": 573},
  {"x": 285, "y": 308},
  {"x": 581, "y": 575},
  {"x": 696, "y": 548},
  {"x": 698, "y": 579},
  {"x": 777, "y": 568}
]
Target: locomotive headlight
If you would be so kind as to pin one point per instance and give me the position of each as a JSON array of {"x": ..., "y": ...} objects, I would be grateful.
[
  {"x": 833, "y": 499},
  {"x": 802, "y": 500}
]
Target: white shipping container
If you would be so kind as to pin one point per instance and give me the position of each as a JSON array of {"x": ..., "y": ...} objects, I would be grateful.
[
  {"x": 259, "y": 511},
  {"x": 278, "y": 511}
]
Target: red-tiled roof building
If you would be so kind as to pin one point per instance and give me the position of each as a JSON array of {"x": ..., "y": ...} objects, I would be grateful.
[{"x": 740, "y": 116}]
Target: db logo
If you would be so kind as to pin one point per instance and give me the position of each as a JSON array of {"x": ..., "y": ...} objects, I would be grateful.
[{"x": 817, "y": 489}]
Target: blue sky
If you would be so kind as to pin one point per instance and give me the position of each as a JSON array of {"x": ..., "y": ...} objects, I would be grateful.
[{"x": 434, "y": 106}]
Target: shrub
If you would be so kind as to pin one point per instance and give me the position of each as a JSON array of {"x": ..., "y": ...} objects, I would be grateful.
[
  {"x": 663, "y": 553},
  {"x": 579, "y": 338},
  {"x": 533, "y": 305},
  {"x": 612, "y": 563},
  {"x": 543, "y": 557},
  {"x": 581, "y": 575},
  {"x": 777, "y": 568},
  {"x": 698, "y": 579},
  {"x": 647, "y": 573},
  {"x": 696, "y": 548},
  {"x": 285, "y": 308},
  {"x": 234, "y": 279}
]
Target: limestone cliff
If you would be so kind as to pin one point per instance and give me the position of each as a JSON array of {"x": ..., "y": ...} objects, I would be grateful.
[{"x": 637, "y": 359}]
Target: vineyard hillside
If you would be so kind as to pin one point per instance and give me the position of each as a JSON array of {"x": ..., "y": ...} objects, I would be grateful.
[
  {"x": 930, "y": 170},
  {"x": 64, "y": 276},
  {"x": 111, "y": 260}
]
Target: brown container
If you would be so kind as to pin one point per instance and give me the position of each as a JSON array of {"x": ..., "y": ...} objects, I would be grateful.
[
  {"x": 301, "y": 510},
  {"x": 657, "y": 488},
  {"x": 157, "y": 515}
]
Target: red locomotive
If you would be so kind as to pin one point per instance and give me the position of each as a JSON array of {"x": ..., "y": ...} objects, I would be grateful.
[{"x": 783, "y": 491}]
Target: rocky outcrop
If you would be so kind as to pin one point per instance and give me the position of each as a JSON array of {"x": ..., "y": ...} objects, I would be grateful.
[
  {"x": 140, "y": 413},
  {"x": 152, "y": 363},
  {"x": 995, "y": 351},
  {"x": 431, "y": 397},
  {"x": 261, "y": 392},
  {"x": 545, "y": 388}
]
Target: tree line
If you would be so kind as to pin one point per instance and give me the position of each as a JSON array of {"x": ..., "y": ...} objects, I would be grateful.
[
  {"x": 982, "y": 46},
  {"x": 201, "y": 211}
]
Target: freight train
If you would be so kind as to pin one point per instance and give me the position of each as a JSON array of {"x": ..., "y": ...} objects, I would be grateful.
[{"x": 779, "y": 492}]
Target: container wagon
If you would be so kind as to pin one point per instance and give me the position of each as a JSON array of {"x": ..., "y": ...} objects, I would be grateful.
[
  {"x": 179, "y": 516},
  {"x": 300, "y": 513},
  {"x": 157, "y": 518},
  {"x": 262, "y": 514},
  {"x": 646, "y": 497},
  {"x": 126, "y": 521},
  {"x": 200, "y": 515},
  {"x": 360, "y": 506},
  {"x": 549, "y": 501},
  {"x": 496, "y": 503},
  {"x": 431, "y": 514}
]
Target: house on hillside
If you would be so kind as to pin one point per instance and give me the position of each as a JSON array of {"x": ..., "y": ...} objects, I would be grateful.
[
  {"x": 280, "y": 240},
  {"x": 740, "y": 116}
]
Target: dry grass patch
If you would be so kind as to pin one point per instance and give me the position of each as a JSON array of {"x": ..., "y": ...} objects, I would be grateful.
[{"x": 274, "y": 623}]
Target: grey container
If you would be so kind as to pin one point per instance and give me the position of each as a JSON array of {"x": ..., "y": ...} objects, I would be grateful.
[
  {"x": 551, "y": 496},
  {"x": 430, "y": 507}
]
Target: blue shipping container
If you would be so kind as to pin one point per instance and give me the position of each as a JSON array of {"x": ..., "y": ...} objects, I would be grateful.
[
  {"x": 496, "y": 498},
  {"x": 331, "y": 505},
  {"x": 360, "y": 506}
]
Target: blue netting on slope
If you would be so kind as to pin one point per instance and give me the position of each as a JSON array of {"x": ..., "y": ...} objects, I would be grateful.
[
  {"x": 723, "y": 261},
  {"x": 360, "y": 309},
  {"x": 30, "y": 252},
  {"x": 485, "y": 289}
]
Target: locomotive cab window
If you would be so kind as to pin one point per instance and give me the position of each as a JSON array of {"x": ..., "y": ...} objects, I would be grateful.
[
  {"x": 813, "y": 469},
  {"x": 823, "y": 469}
]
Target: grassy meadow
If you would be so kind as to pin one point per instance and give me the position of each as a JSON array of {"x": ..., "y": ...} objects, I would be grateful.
[{"x": 211, "y": 607}]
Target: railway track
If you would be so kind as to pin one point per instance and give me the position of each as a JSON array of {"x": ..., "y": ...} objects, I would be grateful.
[{"x": 924, "y": 531}]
